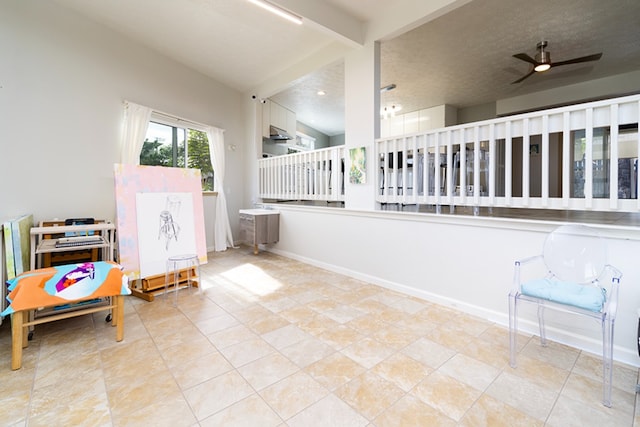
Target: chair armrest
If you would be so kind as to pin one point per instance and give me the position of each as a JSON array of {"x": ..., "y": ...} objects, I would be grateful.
[
  {"x": 516, "y": 273},
  {"x": 612, "y": 300}
]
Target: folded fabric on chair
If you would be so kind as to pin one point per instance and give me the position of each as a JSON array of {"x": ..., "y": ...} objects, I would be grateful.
[
  {"x": 588, "y": 297},
  {"x": 64, "y": 283}
]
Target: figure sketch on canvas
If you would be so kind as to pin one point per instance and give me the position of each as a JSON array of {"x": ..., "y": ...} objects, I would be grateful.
[{"x": 169, "y": 226}]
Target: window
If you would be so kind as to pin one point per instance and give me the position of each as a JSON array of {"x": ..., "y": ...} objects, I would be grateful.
[{"x": 164, "y": 145}]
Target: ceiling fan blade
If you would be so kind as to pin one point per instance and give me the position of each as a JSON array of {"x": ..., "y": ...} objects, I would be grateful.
[
  {"x": 526, "y": 58},
  {"x": 587, "y": 58},
  {"x": 524, "y": 77}
]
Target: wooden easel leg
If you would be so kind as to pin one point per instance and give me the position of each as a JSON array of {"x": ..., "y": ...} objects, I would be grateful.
[
  {"x": 119, "y": 317},
  {"x": 17, "y": 333}
]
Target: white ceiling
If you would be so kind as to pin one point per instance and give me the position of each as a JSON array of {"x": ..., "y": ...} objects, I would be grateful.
[{"x": 463, "y": 58}]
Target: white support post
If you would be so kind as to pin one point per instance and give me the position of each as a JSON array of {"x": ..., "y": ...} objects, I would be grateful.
[
  {"x": 525, "y": 162},
  {"x": 567, "y": 167},
  {"x": 508, "y": 166},
  {"x": 588, "y": 160},
  {"x": 545, "y": 161},
  {"x": 613, "y": 160}
]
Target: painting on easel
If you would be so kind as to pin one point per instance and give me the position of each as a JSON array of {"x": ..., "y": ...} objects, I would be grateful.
[{"x": 159, "y": 214}]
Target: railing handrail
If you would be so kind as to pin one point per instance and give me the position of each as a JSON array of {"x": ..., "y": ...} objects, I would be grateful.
[{"x": 404, "y": 176}]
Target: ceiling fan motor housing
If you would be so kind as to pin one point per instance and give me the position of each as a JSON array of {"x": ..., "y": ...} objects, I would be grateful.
[{"x": 543, "y": 57}]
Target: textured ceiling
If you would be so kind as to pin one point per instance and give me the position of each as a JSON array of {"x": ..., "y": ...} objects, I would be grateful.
[{"x": 463, "y": 58}]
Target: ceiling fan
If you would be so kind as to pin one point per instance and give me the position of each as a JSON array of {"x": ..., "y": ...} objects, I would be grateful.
[{"x": 542, "y": 61}]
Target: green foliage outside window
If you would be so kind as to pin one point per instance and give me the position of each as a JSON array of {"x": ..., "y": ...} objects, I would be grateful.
[{"x": 157, "y": 151}]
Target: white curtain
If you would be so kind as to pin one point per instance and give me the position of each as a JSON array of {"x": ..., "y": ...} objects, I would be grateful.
[
  {"x": 136, "y": 122},
  {"x": 222, "y": 229}
]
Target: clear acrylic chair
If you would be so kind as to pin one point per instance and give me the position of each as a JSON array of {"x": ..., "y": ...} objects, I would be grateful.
[
  {"x": 575, "y": 259},
  {"x": 183, "y": 268}
]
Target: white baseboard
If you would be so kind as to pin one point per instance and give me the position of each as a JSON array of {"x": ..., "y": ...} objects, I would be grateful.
[{"x": 622, "y": 355}]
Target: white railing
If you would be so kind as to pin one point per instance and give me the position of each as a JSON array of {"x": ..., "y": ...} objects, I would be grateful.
[
  {"x": 312, "y": 175},
  {"x": 532, "y": 160}
]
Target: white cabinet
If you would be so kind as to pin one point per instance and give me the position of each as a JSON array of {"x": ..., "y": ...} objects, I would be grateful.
[{"x": 274, "y": 114}]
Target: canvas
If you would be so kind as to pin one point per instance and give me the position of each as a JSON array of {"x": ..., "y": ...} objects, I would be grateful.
[{"x": 131, "y": 180}]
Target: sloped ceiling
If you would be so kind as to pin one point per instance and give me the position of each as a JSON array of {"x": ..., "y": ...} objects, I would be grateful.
[{"x": 464, "y": 58}]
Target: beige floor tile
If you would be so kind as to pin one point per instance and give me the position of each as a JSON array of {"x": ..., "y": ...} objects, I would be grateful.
[
  {"x": 369, "y": 394},
  {"x": 402, "y": 370},
  {"x": 590, "y": 392},
  {"x": 334, "y": 370},
  {"x": 127, "y": 394},
  {"x": 285, "y": 336},
  {"x": 298, "y": 314},
  {"x": 318, "y": 324},
  {"x": 428, "y": 352},
  {"x": 267, "y": 370},
  {"x": 470, "y": 371},
  {"x": 192, "y": 372},
  {"x": 247, "y": 351},
  {"x": 409, "y": 305},
  {"x": 260, "y": 325},
  {"x": 340, "y": 337},
  {"x": 446, "y": 394},
  {"x": 486, "y": 352},
  {"x": 306, "y": 352},
  {"x": 194, "y": 348},
  {"x": 568, "y": 412},
  {"x": 293, "y": 394},
  {"x": 394, "y": 336},
  {"x": 470, "y": 325},
  {"x": 540, "y": 373},
  {"x": 523, "y": 395},
  {"x": 322, "y": 305},
  {"x": 230, "y": 336},
  {"x": 173, "y": 412},
  {"x": 449, "y": 337},
  {"x": 490, "y": 412},
  {"x": 343, "y": 313},
  {"x": 249, "y": 412},
  {"x": 216, "y": 323},
  {"x": 71, "y": 403},
  {"x": 554, "y": 354},
  {"x": 213, "y": 395},
  {"x": 330, "y": 411},
  {"x": 54, "y": 370},
  {"x": 410, "y": 411},
  {"x": 267, "y": 324},
  {"x": 368, "y": 352}
]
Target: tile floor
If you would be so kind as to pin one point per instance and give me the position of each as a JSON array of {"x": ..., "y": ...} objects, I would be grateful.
[{"x": 275, "y": 342}]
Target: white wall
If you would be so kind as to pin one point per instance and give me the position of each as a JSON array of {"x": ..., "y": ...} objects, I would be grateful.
[
  {"x": 63, "y": 81},
  {"x": 462, "y": 262}
]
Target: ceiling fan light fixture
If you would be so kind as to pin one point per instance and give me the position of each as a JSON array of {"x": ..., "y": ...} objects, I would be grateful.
[
  {"x": 543, "y": 58},
  {"x": 542, "y": 67}
]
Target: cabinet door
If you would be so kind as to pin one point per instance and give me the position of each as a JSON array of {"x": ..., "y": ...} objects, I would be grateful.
[
  {"x": 266, "y": 118},
  {"x": 291, "y": 122}
]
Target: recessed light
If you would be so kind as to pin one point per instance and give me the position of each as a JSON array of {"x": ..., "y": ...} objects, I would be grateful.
[{"x": 321, "y": 93}]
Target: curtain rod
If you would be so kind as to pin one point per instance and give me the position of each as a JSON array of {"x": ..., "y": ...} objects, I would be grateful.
[{"x": 178, "y": 119}]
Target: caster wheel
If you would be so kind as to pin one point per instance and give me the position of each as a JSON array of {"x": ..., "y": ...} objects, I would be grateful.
[
  {"x": 30, "y": 336},
  {"x": 108, "y": 318}
]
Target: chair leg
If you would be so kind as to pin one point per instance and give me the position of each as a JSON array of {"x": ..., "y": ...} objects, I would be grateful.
[
  {"x": 607, "y": 360},
  {"x": 513, "y": 329},
  {"x": 543, "y": 335}
]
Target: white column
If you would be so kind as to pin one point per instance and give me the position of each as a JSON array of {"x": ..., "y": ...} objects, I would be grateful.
[{"x": 362, "y": 119}]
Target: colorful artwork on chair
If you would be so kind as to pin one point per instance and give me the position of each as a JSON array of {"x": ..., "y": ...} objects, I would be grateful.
[
  {"x": 131, "y": 180},
  {"x": 358, "y": 169}
]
